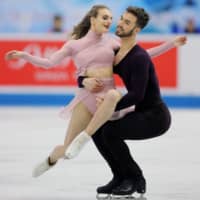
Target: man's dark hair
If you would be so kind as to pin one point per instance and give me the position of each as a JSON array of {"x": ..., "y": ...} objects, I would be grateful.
[{"x": 141, "y": 14}]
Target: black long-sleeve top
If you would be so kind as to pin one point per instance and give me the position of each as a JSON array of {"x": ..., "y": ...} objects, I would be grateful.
[{"x": 138, "y": 74}]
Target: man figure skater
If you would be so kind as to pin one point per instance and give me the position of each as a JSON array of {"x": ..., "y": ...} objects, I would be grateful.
[{"x": 151, "y": 117}]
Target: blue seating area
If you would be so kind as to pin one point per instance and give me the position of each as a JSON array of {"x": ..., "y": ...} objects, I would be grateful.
[{"x": 36, "y": 16}]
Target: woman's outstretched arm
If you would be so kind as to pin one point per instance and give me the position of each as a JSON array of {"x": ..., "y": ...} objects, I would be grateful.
[
  {"x": 158, "y": 50},
  {"x": 53, "y": 60}
]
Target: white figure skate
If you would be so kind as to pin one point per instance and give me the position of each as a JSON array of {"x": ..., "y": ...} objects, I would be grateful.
[{"x": 41, "y": 168}]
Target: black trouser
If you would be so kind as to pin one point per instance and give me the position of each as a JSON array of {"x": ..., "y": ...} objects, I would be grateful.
[{"x": 138, "y": 125}]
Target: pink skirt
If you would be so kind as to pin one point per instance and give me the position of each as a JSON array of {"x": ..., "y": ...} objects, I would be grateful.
[{"x": 87, "y": 98}]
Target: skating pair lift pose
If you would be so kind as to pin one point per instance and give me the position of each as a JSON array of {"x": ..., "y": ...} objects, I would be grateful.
[{"x": 93, "y": 52}]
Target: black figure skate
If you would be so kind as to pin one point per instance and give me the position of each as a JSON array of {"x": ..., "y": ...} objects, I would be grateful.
[
  {"x": 104, "y": 192},
  {"x": 126, "y": 189}
]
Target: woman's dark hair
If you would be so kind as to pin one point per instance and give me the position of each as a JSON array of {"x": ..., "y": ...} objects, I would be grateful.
[{"x": 82, "y": 28}]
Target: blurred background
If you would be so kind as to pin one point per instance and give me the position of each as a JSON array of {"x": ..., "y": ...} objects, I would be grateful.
[
  {"x": 42, "y": 26},
  {"x": 39, "y": 16},
  {"x": 31, "y": 99}
]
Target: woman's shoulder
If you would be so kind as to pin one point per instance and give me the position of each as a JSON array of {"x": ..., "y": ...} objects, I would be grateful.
[{"x": 114, "y": 40}]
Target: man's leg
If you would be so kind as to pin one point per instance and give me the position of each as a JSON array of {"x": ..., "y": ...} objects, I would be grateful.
[
  {"x": 107, "y": 155},
  {"x": 119, "y": 175},
  {"x": 120, "y": 152},
  {"x": 134, "y": 126}
]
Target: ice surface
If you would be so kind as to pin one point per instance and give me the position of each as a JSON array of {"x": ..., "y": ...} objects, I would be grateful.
[{"x": 171, "y": 163}]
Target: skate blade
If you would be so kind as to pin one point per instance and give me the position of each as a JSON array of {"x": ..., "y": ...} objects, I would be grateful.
[
  {"x": 127, "y": 197},
  {"x": 141, "y": 197},
  {"x": 103, "y": 197},
  {"x": 122, "y": 197}
]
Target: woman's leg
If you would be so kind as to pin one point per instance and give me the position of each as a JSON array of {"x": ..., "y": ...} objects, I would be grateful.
[
  {"x": 104, "y": 111},
  {"x": 79, "y": 120},
  {"x": 103, "y": 114}
]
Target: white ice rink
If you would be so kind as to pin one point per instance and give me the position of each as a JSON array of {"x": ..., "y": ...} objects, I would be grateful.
[{"x": 171, "y": 163}]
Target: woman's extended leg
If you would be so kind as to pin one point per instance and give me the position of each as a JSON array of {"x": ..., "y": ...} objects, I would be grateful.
[
  {"x": 78, "y": 122},
  {"x": 103, "y": 114}
]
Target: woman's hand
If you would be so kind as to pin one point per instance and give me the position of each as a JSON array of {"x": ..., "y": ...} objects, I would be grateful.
[
  {"x": 93, "y": 84},
  {"x": 14, "y": 54},
  {"x": 180, "y": 40}
]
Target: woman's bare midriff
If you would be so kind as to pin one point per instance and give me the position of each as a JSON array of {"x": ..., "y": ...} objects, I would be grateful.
[{"x": 103, "y": 72}]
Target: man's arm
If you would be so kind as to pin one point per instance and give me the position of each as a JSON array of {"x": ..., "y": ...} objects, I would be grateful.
[
  {"x": 89, "y": 83},
  {"x": 139, "y": 77},
  {"x": 80, "y": 81}
]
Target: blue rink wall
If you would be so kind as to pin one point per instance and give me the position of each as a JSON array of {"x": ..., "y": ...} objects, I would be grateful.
[{"x": 61, "y": 100}]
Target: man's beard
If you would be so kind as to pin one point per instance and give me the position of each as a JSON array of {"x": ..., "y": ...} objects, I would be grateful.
[{"x": 123, "y": 34}]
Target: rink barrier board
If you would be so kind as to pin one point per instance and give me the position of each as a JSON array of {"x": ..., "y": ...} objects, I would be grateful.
[{"x": 62, "y": 100}]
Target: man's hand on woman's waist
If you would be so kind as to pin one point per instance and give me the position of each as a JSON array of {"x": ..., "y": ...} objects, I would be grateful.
[{"x": 90, "y": 83}]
